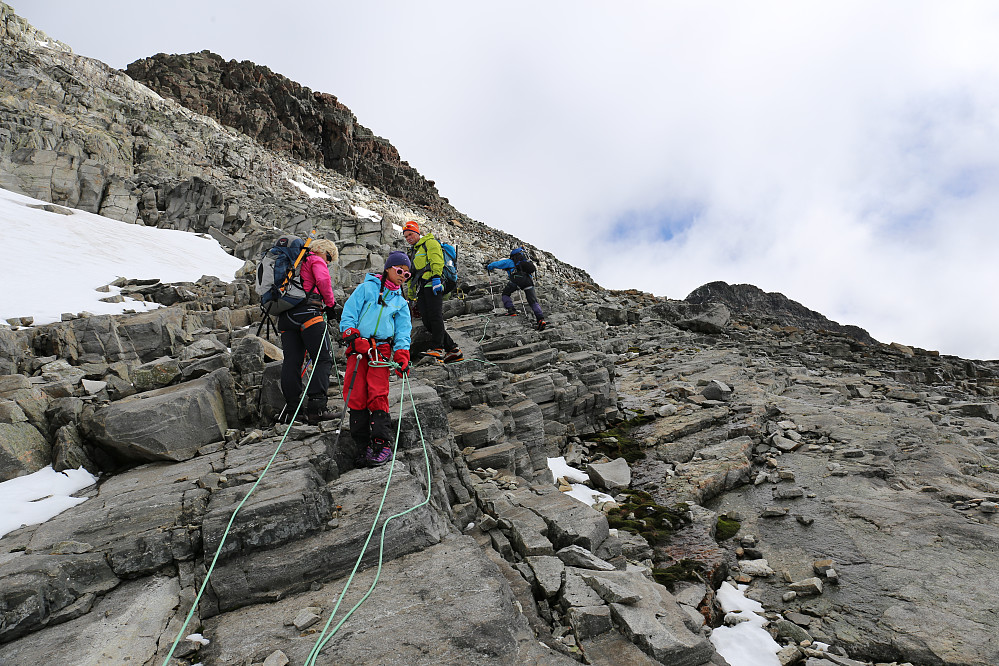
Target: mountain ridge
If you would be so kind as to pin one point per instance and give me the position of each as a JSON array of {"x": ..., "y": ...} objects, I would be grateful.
[{"x": 286, "y": 116}]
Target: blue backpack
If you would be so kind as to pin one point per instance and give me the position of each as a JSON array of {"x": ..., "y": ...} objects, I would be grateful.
[
  {"x": 279, "y": 279},
  {"x": 450, "y": 273}
]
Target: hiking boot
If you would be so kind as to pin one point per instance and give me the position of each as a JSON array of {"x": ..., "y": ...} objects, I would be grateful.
[
  {"x": 542, "y": 324},
  {"x": 318, "y": 411},
  {"x": 362, "y": 457},
  {"x": 434, "y": 353},
  {"x": 284, "y": 418},
  {"x": 510, "y": 312},
  {"x": 378, "y": 453},
  {"x": 454, "y": 356}
]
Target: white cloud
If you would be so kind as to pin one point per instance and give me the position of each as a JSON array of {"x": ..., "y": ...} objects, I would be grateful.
[{"x": 841, "y": 153}]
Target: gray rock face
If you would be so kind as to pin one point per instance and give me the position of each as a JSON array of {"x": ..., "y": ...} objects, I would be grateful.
[
  {"x": 452, "y": 582},
  {"x": 123, "y": 627},
  {"x": 656, "y": 624},
  {"x": 44, "y": 589},
  {"x": 169, "y": 423}
]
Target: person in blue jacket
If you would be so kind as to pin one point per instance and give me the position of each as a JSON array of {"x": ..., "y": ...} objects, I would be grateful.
[
  {"x": 376, "y": 326},
  {"x": 521, "y": 271}
]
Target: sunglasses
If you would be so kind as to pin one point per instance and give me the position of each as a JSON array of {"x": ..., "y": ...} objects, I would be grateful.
[{"x": 401, "y": 272}]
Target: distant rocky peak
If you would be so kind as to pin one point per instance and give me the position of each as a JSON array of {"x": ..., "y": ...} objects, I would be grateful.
[
  {"x": 288, "y": 117},
  {"x": 771, "y": 307}
]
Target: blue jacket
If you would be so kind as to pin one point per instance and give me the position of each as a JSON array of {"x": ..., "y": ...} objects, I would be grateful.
[
  {"x": 503, "y": 265},
  {"x": 363, "y": 312}
]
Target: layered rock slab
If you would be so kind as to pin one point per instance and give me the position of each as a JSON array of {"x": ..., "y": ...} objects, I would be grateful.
[{"x": 447, "y": 604}]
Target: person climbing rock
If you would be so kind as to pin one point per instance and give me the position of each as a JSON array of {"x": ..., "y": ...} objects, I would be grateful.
[
  {"x": 304, "y": 329},
  {"x": 375, "y": 326},
  {"x": 520, "y": 270},
  {"x": 426, "y": 289}
]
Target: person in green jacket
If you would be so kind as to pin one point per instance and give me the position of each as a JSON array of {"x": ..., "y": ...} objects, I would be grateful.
[{"x": 426, "y": 289}]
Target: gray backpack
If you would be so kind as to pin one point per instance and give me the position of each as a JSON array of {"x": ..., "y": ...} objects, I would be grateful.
[{"x": 279, "y": 279}]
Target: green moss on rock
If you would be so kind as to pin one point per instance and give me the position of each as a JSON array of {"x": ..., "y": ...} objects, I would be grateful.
[{"x": 726, "y": 529}]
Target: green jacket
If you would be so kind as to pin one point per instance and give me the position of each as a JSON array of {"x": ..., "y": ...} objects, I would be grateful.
[{"x": 428, "y": 262}]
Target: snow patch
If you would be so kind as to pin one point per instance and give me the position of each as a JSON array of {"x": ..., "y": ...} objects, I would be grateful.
[
  {"x": 83, "y": 251},
  {"x": 580, "y": 491},
  {"x": 311, "y": 192},
  {"x": 747, "y": 643},
  {"x": 364, "y": 213},
  {"x": 559, "y": 467},
  {"x": 33, "y": 499}
]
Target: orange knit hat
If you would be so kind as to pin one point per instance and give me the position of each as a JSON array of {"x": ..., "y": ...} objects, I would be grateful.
[{"x": 411, "y": 226}]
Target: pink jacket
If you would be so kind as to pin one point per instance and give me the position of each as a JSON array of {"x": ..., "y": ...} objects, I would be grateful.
[{"x": 316, "y": 277}]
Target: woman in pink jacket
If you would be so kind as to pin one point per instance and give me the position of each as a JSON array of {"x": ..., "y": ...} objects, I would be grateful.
[{"x": 302, "y": 329}]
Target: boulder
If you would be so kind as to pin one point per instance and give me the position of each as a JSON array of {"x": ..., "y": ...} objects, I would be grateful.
[
  {"x": 23, "y": 450},
  {"x": 612, "y": 476},
  {"x": 169, "y": 423},
  {"x": 657, "y": 624},
  {"x": 613, "y": 315},
  {"x": 155, "y": 374},
  {"x": 575, "y": 556},
  {"x": 548, "y": 572},
  {"x": 704, "y": 318},
  {"x": 612, "y": 591},
  {"x": 68, "y": 451},
  {"x": 717, "y": 390},
  {"x": 589, "y": 621},
  {"x": 250, "y": 353},
  {"x": 982, "y": 410}
]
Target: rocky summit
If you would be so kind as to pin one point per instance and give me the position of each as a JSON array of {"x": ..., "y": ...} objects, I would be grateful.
[{"x": 736, "y": 436}]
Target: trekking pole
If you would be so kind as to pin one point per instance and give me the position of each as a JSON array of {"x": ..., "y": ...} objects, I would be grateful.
[{"x": 523, "y": 302}]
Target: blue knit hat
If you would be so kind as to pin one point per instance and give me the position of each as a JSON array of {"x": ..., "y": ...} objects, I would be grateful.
[
  {"x": 516, "y": 251},
  {"x": 397, "y": 258}
]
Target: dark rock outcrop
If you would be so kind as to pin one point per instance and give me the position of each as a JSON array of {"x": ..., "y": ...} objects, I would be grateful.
[
  {"x": 285, "y": 116},
  {"x": 771, "y": 306}
]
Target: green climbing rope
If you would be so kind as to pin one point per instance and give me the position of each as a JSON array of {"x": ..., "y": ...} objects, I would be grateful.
[
  {"x": 239, "y": 506},
  {"x": 325, "y": 638}
]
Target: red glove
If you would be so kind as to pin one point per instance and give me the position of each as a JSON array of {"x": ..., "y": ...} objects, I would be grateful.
[
  {"x": 401, "y": 357},
  {"x": 355, "y": 343}
]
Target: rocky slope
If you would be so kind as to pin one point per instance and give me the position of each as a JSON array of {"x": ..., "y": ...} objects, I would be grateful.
[{"x": 851, "y": 484}]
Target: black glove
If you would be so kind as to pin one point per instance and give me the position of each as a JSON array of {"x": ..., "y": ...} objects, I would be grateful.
[{"x": 330, "y": 312}]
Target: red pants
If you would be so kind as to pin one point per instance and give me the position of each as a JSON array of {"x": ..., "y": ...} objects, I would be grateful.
[{"x": 371, "y": 384}]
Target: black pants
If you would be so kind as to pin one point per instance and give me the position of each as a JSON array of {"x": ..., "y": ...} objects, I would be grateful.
[
  {"x": 367, "y": 425},
  {"x": 431, "y": 307},
  {"x": 301, "y": 332},
  {"x": 526, "y": 283}
]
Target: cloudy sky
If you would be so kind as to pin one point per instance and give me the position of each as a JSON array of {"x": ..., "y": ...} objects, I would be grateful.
[{"x": 843, "y": 153}]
